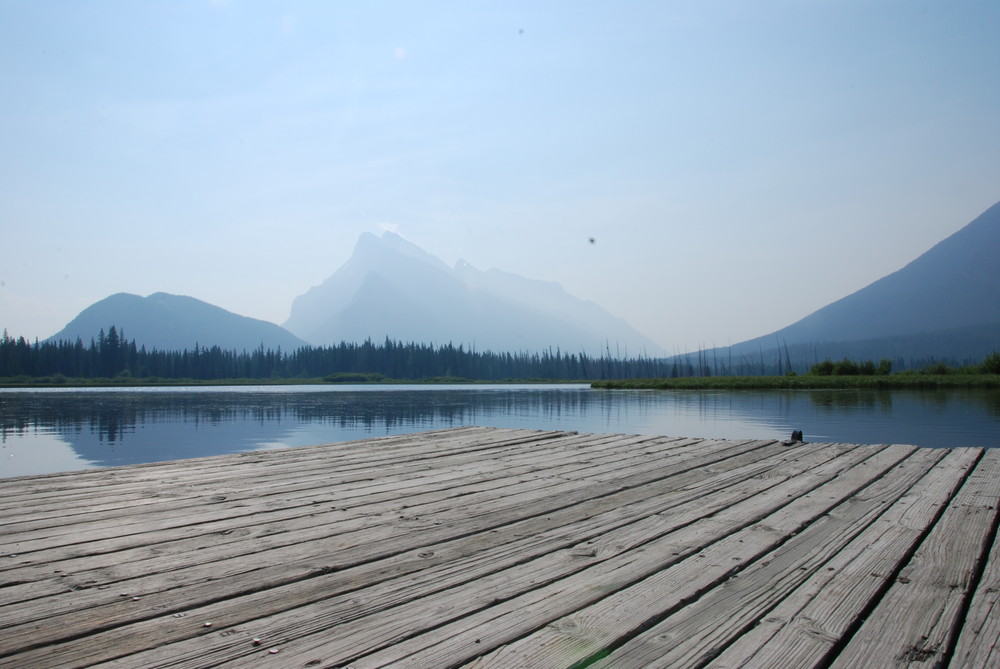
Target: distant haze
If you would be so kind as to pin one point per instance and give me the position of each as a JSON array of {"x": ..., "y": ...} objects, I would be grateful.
[
  {"x": 944, "y": 305},
  {"x": 709, "y": 172},
  {"x": 389, "y": 289},
  {"x": 174, "y": 322},
  {"x": 393, "y": 289}
]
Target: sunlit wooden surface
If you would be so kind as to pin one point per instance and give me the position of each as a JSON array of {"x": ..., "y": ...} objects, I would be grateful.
[{"x": 509, "y": 548}]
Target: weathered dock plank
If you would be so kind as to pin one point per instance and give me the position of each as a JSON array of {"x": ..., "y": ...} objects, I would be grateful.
[
  {"x": 810, "y": 621},
  {"x": 917, "y": 619},
  {"x": 979, "y": 641},
  {"x": 499, "y": 548},
  {"x": 261, "y": 563},
  {"x": 715, "y": 548},
  {"x": 578, "y": 568}
]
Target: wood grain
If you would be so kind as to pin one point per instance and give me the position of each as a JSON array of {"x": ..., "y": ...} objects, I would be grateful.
[{"x": 492, "y": 547}]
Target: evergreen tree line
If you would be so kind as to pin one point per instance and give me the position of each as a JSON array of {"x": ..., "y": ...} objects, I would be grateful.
[{"x": 112, "y": 355}]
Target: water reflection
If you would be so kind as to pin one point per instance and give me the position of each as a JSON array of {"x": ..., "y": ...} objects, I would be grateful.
[
  {"x": 45, "y": 431},
  {"x": 850, "y": 400}
]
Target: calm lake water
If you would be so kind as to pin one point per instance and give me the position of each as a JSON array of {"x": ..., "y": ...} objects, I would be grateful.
[{"x": 52, "y": 430}]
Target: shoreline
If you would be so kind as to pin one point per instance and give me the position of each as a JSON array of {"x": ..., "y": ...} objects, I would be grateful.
[{"x": 891, "y": 382}]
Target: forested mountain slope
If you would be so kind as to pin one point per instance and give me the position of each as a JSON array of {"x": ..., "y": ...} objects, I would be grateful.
[{"x": 175, "y": 322}]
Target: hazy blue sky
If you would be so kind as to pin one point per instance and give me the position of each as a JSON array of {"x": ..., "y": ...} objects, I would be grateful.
[{"x": 739, "y": 164}]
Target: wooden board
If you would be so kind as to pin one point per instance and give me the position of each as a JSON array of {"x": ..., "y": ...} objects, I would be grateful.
[{"x": 500, "y": 547}]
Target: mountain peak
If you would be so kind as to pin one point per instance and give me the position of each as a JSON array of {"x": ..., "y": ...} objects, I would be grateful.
[
  {"x": 392, "y": 288},
  {"x": 373, "y": 249}
]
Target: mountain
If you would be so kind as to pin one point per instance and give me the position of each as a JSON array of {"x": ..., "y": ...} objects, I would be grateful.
[
  {"x": 175, "y": 322},
  {"x": 943, "y": 305},
  {"x": 392, "y": 288}
]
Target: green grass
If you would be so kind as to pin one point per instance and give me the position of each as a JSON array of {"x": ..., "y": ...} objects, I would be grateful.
[{"x": 894, "y": 381}]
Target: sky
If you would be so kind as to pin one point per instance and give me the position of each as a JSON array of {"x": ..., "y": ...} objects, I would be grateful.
[{"x": 738, "y": 165}]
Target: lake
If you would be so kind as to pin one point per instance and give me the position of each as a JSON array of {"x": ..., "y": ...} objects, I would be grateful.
[{"x": 62, "y": 429}]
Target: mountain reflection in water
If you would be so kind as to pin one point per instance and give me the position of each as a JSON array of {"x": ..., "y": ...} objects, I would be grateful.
[{"x": 53, "y": 430}]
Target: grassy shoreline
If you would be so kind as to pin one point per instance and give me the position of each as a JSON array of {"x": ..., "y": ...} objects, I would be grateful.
[{"x": 890, "y": 382}]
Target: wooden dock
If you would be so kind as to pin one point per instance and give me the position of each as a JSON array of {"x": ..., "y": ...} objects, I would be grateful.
[{"x": 482, "y": 547}]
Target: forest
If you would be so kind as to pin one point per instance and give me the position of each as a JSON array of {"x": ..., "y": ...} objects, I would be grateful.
[{"x": 112, "y": 356}]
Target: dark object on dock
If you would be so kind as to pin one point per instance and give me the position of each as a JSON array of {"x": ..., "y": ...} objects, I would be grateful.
[{"x": 796, "y": 438}]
